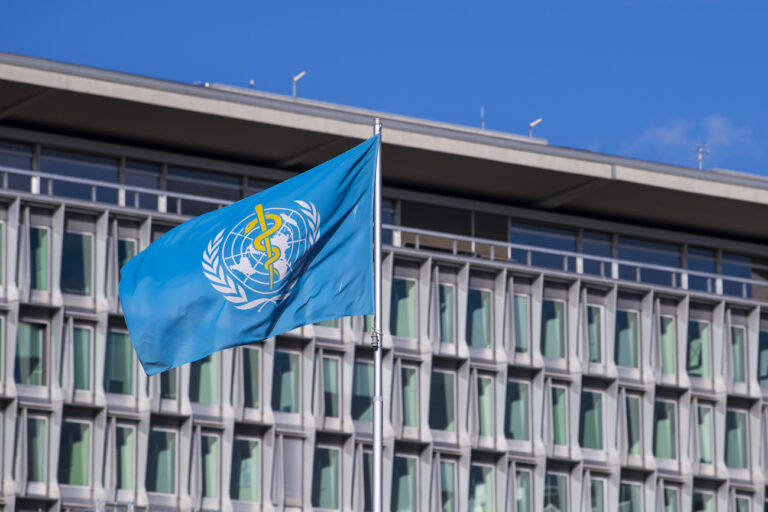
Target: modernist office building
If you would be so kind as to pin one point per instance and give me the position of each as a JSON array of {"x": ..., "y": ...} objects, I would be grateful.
[{"x": 563, "y": 330}]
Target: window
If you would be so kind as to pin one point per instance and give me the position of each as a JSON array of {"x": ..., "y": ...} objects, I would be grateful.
[
  {"x": 75, "y": 454},
  {"x": 447, "y": 486},
  {"x": 403, "y": 314},
  {"x": 367, "y": 481},
  {"x": 333, "y": 323},
  {"x": 210, "y": 465},
  {"x": 481, "y": 488},
  {"x": 736, "y": 439},
  {"x": 627, "y": 350},
  {"x": 125, "y": 437},
  {"x": 522, "y": 323},
  {"x": 161, "y": 461},
  {"x": 555, "y": 493},
  {"x": 762, "y": 359},
  {"x": 325, "y": 478},
  {"x": 479, "y": 318},
  {"x": 668, "y": 339},
  {"x": 665, "y": 430},
  {"x": 705, "y": 433},
  {"x": 742, "y": 504},
  {"x": 441, "y": 401},
  {"x": 523, "y": 496},
  {"x": 76, "y": 263},
  {"x": 634, "y": 425},
  {"x": 244, "y": 483},
  {"x": 168, "y": 384},
  {"x": 362, "y": 391},
  {"x": 738, "y": 354},
  {"x": 37, "y": 448},
  {"x": 595, "y": 333},
  {"x": 591, "y": 420},
  {"x": 517, "y": 412},
  {"x": 30, "y": 354},
  {"x": 630, "y": 497},
  {"x": 447, "y": 298},
  {"x": 698, "y": 349},
  {"x": 126, "y": 250},
  {"x": 671, "y": 500},
  {"x": 81, "y": 347},
  {"x": 331, "y": 387},
  {"x": 597, "y": 494},
  {"x": 703, "y": 502},
  {"x": 410, "y": 394},
  {"x": 286, "y": 381},
  {"x": 404, "y": 484},
  {"x": 204, "y": 380},
  {"x": 119, "y": 369},
  {"x": 559, "y": 415},
  {"x": 251, "y": 376},
  {"x": 485, "y": 406},
  {"x": 553, "y": 328},
  {"x": 39, "y": 256}
]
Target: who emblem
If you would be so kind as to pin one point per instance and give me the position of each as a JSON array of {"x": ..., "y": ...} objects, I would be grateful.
[{"x": 259, "y": 260}]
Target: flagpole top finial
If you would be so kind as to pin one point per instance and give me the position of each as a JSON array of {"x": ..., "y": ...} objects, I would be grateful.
[{"x": 376, "y": 125}]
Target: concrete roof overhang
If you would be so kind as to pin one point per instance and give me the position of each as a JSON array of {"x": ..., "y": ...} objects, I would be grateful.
[{"x": 251, "y": 127}]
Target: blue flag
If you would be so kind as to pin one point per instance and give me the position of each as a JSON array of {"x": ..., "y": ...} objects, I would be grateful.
[{"x": 298, "y": 253}]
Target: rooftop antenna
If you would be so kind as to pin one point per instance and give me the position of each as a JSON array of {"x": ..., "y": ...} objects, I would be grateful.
[
  {"x": 296, "y": 79},
  {"x": 482, "y": 117},
  {"x": 532, "y": 124},
  {"x": 251, "y": 83},
  {"x": 701, "y": 150}
]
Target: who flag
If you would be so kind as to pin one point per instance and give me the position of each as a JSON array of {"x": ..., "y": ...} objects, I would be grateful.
[{"x": 298, "y": 253}]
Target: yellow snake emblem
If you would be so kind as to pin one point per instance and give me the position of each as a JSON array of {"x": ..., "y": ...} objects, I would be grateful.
[{"x": 262, "y": 242}]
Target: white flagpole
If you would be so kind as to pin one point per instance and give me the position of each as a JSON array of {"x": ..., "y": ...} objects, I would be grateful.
[{"x": 378, "y": 400}]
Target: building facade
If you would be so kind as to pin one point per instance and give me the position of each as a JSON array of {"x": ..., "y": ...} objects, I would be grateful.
[{"x": 563, "y": 331}]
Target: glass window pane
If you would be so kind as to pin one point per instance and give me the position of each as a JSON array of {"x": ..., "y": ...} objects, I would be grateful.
[
  {"x": 668, "y": 344},
  {"x": 742, "y": 504},
  {"x": 410, "y": 384},
  {"x": 705, "y": 434},
  {"x": 479, "y": 318},
  {"x": 634, "y": 424},
  {"x": 81, "y": 346},
  {"x": 332, "y": 323},
  {"x": 523, "y": 496},
  {"x": 447, "y": 486},
  {"x": 762, "y": 359},
  {"x": 125, "y": 439},
  {"x": 76, "y": 269},
  {"x": 481, "y": 488},
  {"x": 485, "y": 406},
  {"x": 325, "y": 478},
  {"x": 251, "y": 376},
  {"x": 441, "y": 401},
  {"x": 37, "y": 451},
  {"x": 367, "y": 481},
  {"x": 597, "y": 495},
  {"x": 119, "y": 368},
  {"x": 517, "y": 411},
  {"x": 331, "y": 386},
  {"x": 556, "y": 493},
  {"x": 404, "y": 485},
  {"x": 591, "y": 421},
  {"x": 698, "y": 349},
  {"x": 29, "y": 366},
  {"x": 703, "y": 502},
  {"x": 402, "y": 316},
  {"x": 168, "y": 384},
  {"x": 447, "y": 312},
  {"x": 595, "y": 333},
  {"x": 75, "y": 454},
  {"x": 736, "y": 439},
  {"x": 671, "y": 500},
  {"x": 665, "y": 430},
  {"x": 559, "y": 416},
  {"x": 522, "y": 323},
  {"x": 285, "y": 382},
  {"x": 737, "y": 354},
  {"x": 244, "y": 483},
  {"x": 553, "y": 328},
  {"x": 362, "y": 391},
  {"x": 126, "y": 250},
  {"x": 161, "y": 462},
  {"x": 630, "y": 498},
  {"x": 210, "y": 464},
  {"x": 204, "y": 380},
  {"x": 39, "y": 250},
  {"x": 627, "y": 350}
]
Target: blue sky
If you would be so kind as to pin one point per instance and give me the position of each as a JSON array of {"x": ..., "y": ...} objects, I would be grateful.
[{"x": 633, "y": 78}]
